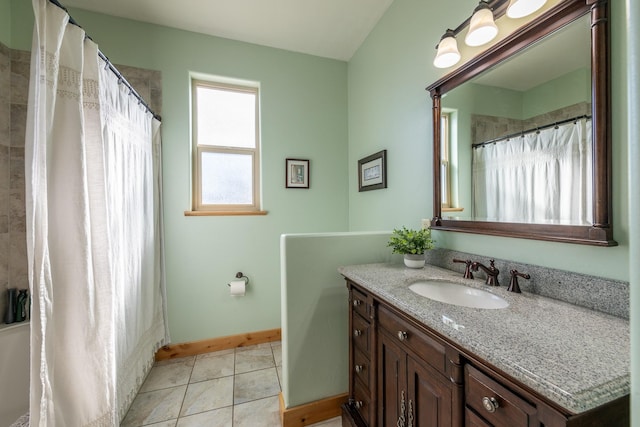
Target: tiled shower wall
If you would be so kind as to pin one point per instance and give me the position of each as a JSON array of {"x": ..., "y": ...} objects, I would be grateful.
[
  {"x": 5, "y": 134},
  {"x": 14, "y": 88},
  {"x": 487, "y": 128},
  {"x": 148, "y": 84}
]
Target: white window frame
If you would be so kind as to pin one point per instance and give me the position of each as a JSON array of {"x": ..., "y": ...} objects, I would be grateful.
[
  {"x": 445, "y": 160},
  {"x": 198, "y": 207}
]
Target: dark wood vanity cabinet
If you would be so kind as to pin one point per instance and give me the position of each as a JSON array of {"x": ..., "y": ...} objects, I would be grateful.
[
  {"x": 404, "y": 375},
  {"x": 399, "y": 374}
]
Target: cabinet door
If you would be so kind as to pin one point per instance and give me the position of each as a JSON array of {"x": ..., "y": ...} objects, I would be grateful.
[
  {"x": 429, "y": 396},
  {"x": 392, "y": 377}
]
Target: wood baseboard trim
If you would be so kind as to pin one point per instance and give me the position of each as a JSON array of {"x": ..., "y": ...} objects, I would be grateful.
[
  {"x": 312, "y": 412},
  {"x": 173, "y": 351}
]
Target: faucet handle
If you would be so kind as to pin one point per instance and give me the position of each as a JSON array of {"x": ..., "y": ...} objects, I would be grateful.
[
  {"x": 467, "y": 271},
  {"x": 492, "y": 278},
  {"x": 513, "y": 284}
]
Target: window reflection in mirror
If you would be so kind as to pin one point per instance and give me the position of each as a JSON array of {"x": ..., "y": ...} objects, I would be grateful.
[
  {"x": 445, "y": 167},
  {"x": 516, "y": 140}
]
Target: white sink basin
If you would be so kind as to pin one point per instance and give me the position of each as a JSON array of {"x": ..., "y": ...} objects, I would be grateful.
[{"x": 452, "y": 293}]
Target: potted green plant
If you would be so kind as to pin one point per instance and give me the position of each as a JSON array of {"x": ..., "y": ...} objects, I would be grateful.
[{"x": 412, "y": 244}]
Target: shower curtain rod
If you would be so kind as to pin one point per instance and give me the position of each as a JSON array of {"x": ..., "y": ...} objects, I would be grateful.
[
  {"x": 538, "y": 128},
  {"x": 112, "y": 67}
]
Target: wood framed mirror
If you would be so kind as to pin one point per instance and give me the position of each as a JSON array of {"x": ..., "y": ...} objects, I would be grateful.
[{"x": 596, "y": 229}]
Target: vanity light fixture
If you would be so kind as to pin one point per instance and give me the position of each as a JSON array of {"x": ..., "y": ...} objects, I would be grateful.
[
  {"x": 448, "y": 54},
  {"x": 482, "y": 28},
  {"x": 522, "y": 8}
]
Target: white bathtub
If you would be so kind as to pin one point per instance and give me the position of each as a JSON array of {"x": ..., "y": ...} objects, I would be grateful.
[{"x": 14, "y": 372}]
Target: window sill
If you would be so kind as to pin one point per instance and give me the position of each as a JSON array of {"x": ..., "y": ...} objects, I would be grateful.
[
  {"x": 452, "y": 209},
  {"x": 223, "y": 213}
]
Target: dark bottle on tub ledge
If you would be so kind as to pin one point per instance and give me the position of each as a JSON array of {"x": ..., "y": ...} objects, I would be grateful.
[
  {"x": 21, "y": 306},
  {"x": 10, "y": 314}
]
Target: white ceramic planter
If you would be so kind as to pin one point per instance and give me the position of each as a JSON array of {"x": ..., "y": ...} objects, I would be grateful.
[{"x": 414, "y": 261}]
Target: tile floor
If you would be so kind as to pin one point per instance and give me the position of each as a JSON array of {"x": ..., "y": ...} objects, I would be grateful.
[{"x": 230, "y": 388}]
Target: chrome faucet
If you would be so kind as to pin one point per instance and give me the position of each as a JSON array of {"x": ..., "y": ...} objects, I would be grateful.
[{"x": 492, "y": 272}]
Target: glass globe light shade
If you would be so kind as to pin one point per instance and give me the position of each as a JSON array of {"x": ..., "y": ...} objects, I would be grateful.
[
  {"x": 448, "y": 54},
  {"x": 482, "y": 28},
  {"x": 522, "y": 8}
]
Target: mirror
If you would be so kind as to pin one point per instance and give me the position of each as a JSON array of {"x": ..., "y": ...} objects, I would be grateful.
[
  {"x": 532, "y": 109},
  {"x": 520, "y": 125}
]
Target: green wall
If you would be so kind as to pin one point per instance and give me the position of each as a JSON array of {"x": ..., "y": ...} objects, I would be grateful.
[
  {"x": 494, "y": 101},
  {"x": 389, "y": 108},
  {"x": 303, "y": 115},
  {"x": 315, "y": 315},
  {"x": 569, "y": 89},
  {"x": 5, "y": 22}
]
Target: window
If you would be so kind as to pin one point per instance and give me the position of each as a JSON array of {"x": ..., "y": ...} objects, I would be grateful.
[
  {"x": 226, "y": 148},
  {"x": 445, "y": 165}
]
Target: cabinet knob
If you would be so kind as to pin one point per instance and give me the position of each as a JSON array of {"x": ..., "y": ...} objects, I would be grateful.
[
  {"x": 402, "y": 335},
  {"x": 359, "y": 368},
  {"x": 358, "y": 404},
  {"x": 356, "y": 302},
  {"x": 357, "y": 332},
  {"x": 490, "y": 404}
]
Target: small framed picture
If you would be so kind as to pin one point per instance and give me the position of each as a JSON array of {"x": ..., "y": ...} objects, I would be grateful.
[
  {"x": 372, "y": 171},
  {"x": 297, "y": 173}
]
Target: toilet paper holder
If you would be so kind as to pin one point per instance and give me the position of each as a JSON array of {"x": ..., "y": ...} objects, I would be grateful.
[{"x": 240, "y": 275}]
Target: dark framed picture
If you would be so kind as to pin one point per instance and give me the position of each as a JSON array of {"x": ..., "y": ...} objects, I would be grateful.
[
  {"x": 297, "y": 173},
  {"x": 372, "y": 171}
]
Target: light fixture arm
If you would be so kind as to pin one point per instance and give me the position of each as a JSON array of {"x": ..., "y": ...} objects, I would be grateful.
[{"x": 482, "y": 5}]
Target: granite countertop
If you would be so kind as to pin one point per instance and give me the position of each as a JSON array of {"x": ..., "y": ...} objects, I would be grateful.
[{"x": 576, "y": 357}]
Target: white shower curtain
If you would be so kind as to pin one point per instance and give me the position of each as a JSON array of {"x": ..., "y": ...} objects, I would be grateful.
[
  {"x": 94, "y": 232},
  {"x": 540, "y": 177}
]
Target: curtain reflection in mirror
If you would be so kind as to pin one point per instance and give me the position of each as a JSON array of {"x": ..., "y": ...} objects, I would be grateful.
[{"x": 541, "y": 176}]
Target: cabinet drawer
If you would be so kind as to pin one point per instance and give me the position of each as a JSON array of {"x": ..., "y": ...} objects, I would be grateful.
[
  {"x": 361, "y": 333},
  {"x": 362, "y": 401},
  {"x": 471, "y": 419},
  {"x": 505, "y": 408},
  {"x": 359, "y": 303},
  {"x": 430, "y": 350},
  {"x": 361, "y": 367}
]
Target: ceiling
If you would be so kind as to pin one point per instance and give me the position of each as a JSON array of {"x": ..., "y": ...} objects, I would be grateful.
[
  {"x": 566, "y": 50},
  {"x": 328, "y": 28}
]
